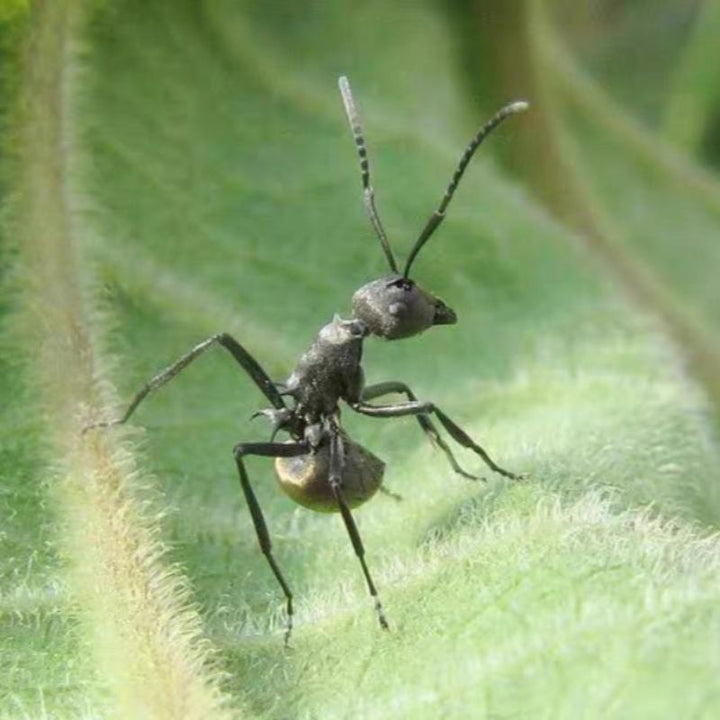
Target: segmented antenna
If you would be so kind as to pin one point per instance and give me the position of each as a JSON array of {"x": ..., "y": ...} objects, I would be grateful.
[
  {"x": 368, "y": 192},
  {"x": 439, "y": 215}
]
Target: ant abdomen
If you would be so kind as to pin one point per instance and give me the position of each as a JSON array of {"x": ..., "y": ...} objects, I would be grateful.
[{"x": 305, "y": 478}]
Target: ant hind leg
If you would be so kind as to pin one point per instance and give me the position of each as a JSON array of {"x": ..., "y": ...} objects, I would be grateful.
[
  {"x": 267, "y": 449},
  {"x": 337, "y": 455}
]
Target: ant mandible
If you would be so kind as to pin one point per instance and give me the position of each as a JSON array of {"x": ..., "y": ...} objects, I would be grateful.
[{"x": 320, "y": 466}]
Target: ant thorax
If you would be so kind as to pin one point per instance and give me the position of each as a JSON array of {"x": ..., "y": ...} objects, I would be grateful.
[{"x": 329, "y": 369}]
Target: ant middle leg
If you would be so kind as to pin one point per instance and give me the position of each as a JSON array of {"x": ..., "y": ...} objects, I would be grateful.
[
  {"x": 267, "y": 449},
  {"x": 395, "y": 386},
  {"x": 420, "y": 408},
  {"x": 239, "y": 353}
]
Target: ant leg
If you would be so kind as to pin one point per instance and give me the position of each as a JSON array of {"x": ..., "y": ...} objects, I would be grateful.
[
  {"x": 337, "y": 460},
  {"x": 417, "y": 407},
  {"x": 385, "y": 388},
  {"x": 242, "y": 356},
  {"x": 389, "y": 493},
  {"x": 266, "y": 449}
]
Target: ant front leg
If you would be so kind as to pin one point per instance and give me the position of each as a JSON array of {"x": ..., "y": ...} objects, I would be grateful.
[
  {"x": 385, "y": 388},
  {"x": 420, "y": 408},
  {"x": 337, "y": 458},
  {"x": 241, "y": 355},
  {"x": 267, "y": 449}
]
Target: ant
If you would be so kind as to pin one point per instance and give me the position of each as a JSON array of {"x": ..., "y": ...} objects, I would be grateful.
[{"x": 320, "y": 466}]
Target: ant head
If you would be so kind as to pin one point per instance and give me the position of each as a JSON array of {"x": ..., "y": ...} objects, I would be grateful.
[{"x": 395, "y": 307}]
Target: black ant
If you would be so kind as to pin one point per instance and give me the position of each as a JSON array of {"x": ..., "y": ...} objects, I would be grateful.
[{"x": 320, "y": 466}]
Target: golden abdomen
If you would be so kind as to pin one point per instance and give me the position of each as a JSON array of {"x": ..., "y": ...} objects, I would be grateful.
[{"x": 305, "y": 478}]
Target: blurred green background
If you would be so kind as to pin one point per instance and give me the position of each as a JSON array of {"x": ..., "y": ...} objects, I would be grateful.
[{"x": 207, "y": 181}]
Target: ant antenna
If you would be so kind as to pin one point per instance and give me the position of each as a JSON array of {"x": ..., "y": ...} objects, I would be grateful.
[
  {"x": 368, "y": 192},
  {"x": 439, "y": 215}
]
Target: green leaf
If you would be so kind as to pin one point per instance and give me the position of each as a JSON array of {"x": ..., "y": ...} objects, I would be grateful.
[
  {"x": 696, "y": 95},
  {"x": 196, "y": 174}
]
